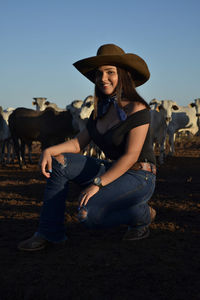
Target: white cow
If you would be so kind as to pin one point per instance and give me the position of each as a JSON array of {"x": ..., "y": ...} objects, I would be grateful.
[
  {"x": 5, "y": 135},
  {"x": 184, "y": 119},
  {"x": 159, "y": 123},
  {"x": 41, "y": 104},
  {"x": 176, "y": 118},
  {"x": 81, "y": 111},
  {"x": 75, "y": 108},
  {"x": 80, "y": 116},
  {"x": 196, "y": 105},
  {"x": 87, "y": 108}
]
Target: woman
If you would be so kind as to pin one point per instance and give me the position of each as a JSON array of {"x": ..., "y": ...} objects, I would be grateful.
[{"x": 115, "y": 191}]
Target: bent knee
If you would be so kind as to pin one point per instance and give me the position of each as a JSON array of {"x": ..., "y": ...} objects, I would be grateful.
[{"x": 82, "y": 215}]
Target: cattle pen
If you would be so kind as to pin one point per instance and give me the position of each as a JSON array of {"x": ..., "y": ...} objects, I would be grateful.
[{"x": 98, "y": 264}]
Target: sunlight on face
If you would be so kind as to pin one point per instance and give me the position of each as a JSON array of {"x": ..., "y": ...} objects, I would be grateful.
[{"x": 107, "y": 79}]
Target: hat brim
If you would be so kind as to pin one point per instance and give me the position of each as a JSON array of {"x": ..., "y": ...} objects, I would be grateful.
[{"x": 131, "y": 62}]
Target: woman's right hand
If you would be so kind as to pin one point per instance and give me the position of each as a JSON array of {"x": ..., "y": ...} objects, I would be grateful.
[{"x": 46, "y": 163}]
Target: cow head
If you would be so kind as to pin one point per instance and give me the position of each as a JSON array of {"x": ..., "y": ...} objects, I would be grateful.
[
  {"x": 40, "y": 103},
  {"x": 196, "y": 104},
  {"x": 154, "y": 103},
  {"x": 74, "y": 108},
  {"x": 87, "y": 108},
  {"x": 166, "y": 107}
]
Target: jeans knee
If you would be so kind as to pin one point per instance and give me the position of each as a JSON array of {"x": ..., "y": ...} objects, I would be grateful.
[
  {"x": 90, "y": 219},
  {"x": 82, "y": 215}
]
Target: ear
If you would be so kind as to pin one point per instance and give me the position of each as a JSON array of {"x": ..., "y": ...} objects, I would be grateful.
[
  {"x": 175, "y": 107},
  {"x": 34, "y": 103},
  {"x": 192, "y": 104},
  {"x": 159, "y": 107},
  {"x": 153, "y": 101}
]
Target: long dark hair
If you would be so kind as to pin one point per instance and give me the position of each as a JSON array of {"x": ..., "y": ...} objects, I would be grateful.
[{"x": 125, "y": 90}]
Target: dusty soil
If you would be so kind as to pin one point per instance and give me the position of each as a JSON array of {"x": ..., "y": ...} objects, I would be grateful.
[{"x": 97, "y": 264}]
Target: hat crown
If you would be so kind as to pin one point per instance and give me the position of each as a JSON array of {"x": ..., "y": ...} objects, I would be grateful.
[{"x": 110, "y": 49}]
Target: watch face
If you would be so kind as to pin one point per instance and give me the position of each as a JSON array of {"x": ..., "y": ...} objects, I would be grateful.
[{"x": 97, "y": 180}]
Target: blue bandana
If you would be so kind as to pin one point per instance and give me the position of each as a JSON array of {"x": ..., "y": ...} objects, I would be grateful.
[{"x": 104, "y": 105}]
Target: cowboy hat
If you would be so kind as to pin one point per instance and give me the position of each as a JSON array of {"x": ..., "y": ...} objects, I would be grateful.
[{"x": 110, "y": 54}]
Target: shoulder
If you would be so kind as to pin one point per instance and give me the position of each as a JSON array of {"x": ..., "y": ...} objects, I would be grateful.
[
  {"x": 132, "y": 107},
  {"x": 137, "y": 106}
]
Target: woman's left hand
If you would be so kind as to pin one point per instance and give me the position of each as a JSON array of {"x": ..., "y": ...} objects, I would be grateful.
[{"x": 87, "y": 194}]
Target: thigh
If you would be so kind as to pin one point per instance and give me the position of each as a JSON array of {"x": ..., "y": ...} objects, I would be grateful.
[
  {"x": 132, "y": 188},
  {"x": 82, "y": 169}
]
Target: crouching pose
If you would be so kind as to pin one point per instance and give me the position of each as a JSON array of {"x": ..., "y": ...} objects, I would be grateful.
[{"x": 116, "y": 191}]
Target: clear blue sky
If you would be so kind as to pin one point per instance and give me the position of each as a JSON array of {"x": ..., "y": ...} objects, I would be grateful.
[{"x": 41, "y": 39}]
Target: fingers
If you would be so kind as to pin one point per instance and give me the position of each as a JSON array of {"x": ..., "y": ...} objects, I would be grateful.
[
  {"x": 45, "y": 172},
  {"x": 83, "y": 199},
  {"x": 87, "y": 194},
  {"x": 46, "y": 167},
  {"x": 49, "y": 166}
]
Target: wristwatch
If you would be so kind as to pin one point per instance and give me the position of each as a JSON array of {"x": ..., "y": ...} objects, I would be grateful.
[{"x": 97, "y": 181}]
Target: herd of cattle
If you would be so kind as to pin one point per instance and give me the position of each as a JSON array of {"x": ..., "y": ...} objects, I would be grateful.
[{"x": 50, "y": 125}]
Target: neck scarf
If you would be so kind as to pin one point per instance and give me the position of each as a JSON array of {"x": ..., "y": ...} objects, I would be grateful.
[{"x": 104, "y": 105}]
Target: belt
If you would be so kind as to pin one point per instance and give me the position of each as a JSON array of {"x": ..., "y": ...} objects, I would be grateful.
[{"x": 146, "y": 166}]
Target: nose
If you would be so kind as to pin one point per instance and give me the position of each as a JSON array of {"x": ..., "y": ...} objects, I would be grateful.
[
  {"x": 168, "y": 119},
  {"x": 104, "y": 77}
]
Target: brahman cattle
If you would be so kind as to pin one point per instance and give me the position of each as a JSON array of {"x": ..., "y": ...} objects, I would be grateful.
[
  {"x": 158, "y": 127},
  {"x": 5, "y": 136},
  {"x": 81, "y": 111},
  {"x": 41, "y": 104},
  {"x": 75, "y": 109},
  {"x": 167, "y": 119},
  {"x": 196, "y": 105},
  {"x": 48, "y": 127},
  {"x": 184, "y": 119}
]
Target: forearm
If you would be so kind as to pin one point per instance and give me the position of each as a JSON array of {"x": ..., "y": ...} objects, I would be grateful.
[
  {"x": 122, "y": 165},
  {"x": 71, "y": 146},
  {"x": 74, "y": 145}
]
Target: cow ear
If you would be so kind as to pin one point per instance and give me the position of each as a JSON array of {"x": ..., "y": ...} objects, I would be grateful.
[
  {"x": 159, "y": 107},
  {"x": 175, "y": 107},
  {"x": 192, "y": 104},
  {"x": 153, "y": 101},
  {"x": 34, "y": 103},
  {"x": 47, "y": 103}
]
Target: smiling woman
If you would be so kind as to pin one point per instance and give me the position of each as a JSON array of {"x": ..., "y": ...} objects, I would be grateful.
[
  {"x": 115, "y": 191},
  {"x": 107, "y": 79}
]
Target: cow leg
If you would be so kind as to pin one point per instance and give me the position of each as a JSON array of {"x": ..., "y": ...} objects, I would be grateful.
[
  {"x": 12, "y": 152},
  {"x": 162, "y": 151},
  {"x": 17, "y": 151},
  {"x": 30, "y": 153},
  {"x": 23, "y": 153},
  {"x": 8, "y": 144},
  {"x": 3, "y": 162},
  {"x": 171, "y": 144}
]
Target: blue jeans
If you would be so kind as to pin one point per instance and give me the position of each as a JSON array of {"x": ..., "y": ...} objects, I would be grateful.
[{"x": 123, "y": 201}]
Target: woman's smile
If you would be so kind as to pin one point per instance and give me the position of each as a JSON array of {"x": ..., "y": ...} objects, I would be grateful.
[{"x": 107, "y": 79}]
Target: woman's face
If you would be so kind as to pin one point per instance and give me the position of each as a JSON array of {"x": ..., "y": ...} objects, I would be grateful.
[{"x": 107, "y": 79}]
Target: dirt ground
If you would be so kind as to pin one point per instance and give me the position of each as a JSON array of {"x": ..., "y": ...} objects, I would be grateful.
[{"x": 98, "y": 264}]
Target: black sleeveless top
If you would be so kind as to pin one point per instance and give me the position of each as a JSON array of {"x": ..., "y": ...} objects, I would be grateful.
[{"x": 113, "y": 141}]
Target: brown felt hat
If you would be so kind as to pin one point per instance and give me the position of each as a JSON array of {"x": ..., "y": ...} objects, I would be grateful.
[{"x": 110, "y": 54}]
